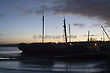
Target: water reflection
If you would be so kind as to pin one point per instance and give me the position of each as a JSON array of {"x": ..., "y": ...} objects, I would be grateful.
[
  {"x": 44, "y": 65},
  {"x": 9, "y": 52},
  {"x": 81, "y": 66}
]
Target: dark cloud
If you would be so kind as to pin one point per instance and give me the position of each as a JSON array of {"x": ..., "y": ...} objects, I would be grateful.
[
  {"x": 99, "y": 9},
  {"x": 32, "y": 9},
  {"x": 88, "y": 8},
  {"x": 79, "y": 25}
]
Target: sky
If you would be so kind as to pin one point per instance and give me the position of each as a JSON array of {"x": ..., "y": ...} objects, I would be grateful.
[{"x": 21, "y": 20}]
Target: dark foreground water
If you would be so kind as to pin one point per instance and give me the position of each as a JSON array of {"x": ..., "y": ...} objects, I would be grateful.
[{"x": 12, "y": 62}]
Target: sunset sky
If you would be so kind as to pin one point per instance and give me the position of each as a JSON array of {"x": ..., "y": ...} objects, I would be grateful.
[{"x": 21, "y": 20}]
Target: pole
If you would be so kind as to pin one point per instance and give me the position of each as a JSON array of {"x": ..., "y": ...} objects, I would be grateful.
[
  {"x": 103, "y": 36},
  {"x": 43, "y": 29},
  {"x": 65, "y": 31},
  {"x": 88, "y": 35},
  {"x": 69, "y": 33}
]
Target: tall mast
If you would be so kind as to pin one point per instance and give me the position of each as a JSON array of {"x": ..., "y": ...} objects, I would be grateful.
[
  {"x": 65, "y": 31},
  {"x": 69, "y": 34},
  {"x": 43, "y": 29},
  {"x": 103, "y": 36},
  {"x": 88, "y": 35}
]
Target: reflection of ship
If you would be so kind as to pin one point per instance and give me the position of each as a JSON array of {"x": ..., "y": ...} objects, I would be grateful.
[{"x": 67, "y": 48}]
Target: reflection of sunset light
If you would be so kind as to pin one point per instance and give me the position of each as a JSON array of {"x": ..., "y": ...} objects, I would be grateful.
[
  {"x": 95, "y": 44},
  {"x": 70, "y": 44}
]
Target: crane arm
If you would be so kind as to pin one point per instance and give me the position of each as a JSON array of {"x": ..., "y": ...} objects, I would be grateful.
[{"x": 106, "y": 33}]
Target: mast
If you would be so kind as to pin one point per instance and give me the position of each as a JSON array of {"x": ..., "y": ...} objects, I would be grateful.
[
  {"x": 69, "y": 34},
  {"x": 88, "y": 35},
  {"x": 103, "y": 36},
  {"x": 65, "y": 31},
  {"x": 43, "y": 29}
]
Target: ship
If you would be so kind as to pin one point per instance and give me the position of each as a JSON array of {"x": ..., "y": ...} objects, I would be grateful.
[{"x": 66, "y": 49}]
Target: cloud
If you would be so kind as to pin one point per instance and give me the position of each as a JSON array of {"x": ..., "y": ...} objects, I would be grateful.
[
  {"x": 79, "y": 25},
  {"x": 23, "y": 9},
  {"x": 99, "y": 9},
  {"x": 17, "y": 6},
  {"x": 0, "y": 34},
  {"x": 88, "y": 8},
  {"x": 2, "y": 15},
  {"x": 33, "y": 9}
]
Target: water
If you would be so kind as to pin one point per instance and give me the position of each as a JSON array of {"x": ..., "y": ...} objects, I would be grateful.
[{"x": 10, "y": 63}]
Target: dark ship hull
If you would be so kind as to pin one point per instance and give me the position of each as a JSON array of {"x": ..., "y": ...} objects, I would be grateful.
[{"x": 65, "y": 49}]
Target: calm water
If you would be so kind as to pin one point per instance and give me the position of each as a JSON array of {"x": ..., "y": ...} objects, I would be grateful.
[{"x": 10, "y": 64}]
